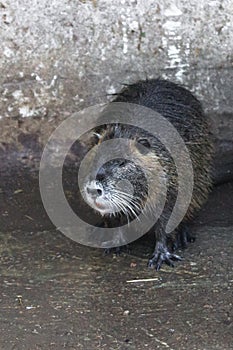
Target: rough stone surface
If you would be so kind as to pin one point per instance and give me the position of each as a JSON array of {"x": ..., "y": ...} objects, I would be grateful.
[{"x": 59, "y": 56}]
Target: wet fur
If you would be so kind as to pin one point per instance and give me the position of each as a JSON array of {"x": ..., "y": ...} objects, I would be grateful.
[{"x": 184, "y": 111}]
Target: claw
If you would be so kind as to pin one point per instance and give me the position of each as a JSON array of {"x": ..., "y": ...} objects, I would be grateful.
[{"x": 162, "y": 255}]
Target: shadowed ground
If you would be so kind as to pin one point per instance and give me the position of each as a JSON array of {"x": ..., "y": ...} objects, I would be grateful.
[{"x": 56, "y": 294}]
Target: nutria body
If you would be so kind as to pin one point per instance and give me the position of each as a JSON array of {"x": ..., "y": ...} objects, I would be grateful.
[{"x": 185, "y": 113}]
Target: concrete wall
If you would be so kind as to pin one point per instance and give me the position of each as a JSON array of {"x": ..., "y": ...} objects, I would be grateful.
[{"x": 59, "y": 56}]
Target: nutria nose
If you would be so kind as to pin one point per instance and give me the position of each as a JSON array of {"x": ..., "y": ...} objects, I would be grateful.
[{"x": 94, "y": 191}]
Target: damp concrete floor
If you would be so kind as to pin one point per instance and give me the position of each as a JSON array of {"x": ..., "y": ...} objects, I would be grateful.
[{"x": 56, "y": 294}]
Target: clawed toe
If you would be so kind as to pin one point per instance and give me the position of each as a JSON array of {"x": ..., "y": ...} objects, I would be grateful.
[{"x": 162, "y": 255}]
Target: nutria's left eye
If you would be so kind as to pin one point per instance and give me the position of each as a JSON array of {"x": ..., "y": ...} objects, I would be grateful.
[
  {"x": 144, "y": 142},
  {"x": 122, "y": 163}
]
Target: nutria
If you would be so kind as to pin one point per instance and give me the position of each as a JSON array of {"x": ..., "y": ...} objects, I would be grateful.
[{"x": 184, "y": 112}]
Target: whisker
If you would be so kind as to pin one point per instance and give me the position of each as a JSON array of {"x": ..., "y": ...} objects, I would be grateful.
[
  {"x": 126, "y": 204},
  {"x": 128, "y": 195},
  {"x": 123, "y": 209},
  {"x": 131, "y": 200}
]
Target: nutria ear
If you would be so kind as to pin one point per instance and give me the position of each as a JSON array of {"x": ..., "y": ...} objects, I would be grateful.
[
  {"x": 97, "y": 135},
  {"x": 94, "y": 138}
]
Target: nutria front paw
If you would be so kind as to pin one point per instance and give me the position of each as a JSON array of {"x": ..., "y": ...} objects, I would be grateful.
[
  {"x": 182, "y": 238},
  {"x": 117, "y": 250},
  {"x": 162, "y": 255}
]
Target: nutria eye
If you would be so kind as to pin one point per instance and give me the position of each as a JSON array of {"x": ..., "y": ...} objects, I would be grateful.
[
  {"x": 144, "y": 142},
  {"x": 122, "y": 163}
]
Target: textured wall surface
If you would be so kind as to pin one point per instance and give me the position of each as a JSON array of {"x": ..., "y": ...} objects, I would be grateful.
[{"x": 59, "y": 56}]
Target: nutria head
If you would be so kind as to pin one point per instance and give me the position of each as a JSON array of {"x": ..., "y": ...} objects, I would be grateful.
[{"x": 121, "y": 185}]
